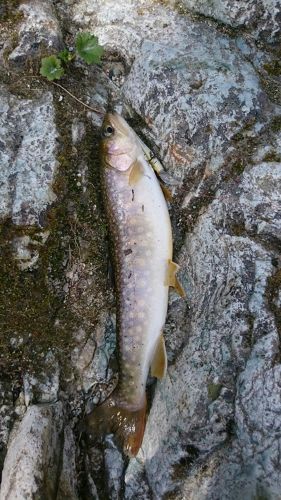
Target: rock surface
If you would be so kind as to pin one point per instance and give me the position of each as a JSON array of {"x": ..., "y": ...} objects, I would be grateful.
[
  {"x": 39, "y": 31},
  {"x": 200, "y": 82},
  {"x": 28, "y": 157},
  {"x": 32, "y": 462},
  {"x": 260, "y": 18}
]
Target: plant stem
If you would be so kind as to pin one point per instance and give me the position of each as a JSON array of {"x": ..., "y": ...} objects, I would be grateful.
[
  {"x": 78, "y": 100},
  {"x": 99, "y": 112}
]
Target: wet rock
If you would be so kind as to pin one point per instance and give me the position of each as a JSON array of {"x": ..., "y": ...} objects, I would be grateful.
[
  {"x": 28, "y": 157},
  {"x": 31, "y": 464}
]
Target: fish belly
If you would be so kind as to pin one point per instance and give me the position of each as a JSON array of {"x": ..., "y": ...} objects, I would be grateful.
[{"x": 141, "y": 231}]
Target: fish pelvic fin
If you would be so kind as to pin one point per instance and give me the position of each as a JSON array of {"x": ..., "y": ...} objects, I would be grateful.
[
  {"x": 113, "y": 416},
  {"x": 172, "y": 280}
]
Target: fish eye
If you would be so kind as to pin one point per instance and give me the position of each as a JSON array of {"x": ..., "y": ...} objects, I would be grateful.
[{"x": 108, "y": 131}]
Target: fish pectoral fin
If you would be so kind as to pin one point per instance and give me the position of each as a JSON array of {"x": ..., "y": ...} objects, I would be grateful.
[
  {"x": 166, "y": 192},
  {"x": 159, "y": 363},
  {"x": 172, "y": 279},
  {"x": 136, "y": 173}
]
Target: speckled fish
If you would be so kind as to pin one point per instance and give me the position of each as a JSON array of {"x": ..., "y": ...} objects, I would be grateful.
[{"x": 141, "y": 235}]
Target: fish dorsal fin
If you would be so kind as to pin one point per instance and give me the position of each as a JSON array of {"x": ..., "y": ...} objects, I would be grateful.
[
  {"x": 159, "y": 363},
  {"x": 172, "y": 279},
  {"x": 136, "y": 173}
]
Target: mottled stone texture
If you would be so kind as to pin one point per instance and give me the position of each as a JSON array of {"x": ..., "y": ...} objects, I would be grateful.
[
  {"x": 33, "y": 456},
  {"x": 260, "y": 18},
  {"x": 200, "y": 82},
  {"x": 39, "y": 31},
  {"x": 28, "y": 156}
]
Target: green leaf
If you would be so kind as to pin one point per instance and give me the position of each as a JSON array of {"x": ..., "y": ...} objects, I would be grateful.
[
  {"x": 51, "y": 68},
  {"x": 88, "y": 48},
  {"x": 66, "y": 56}
]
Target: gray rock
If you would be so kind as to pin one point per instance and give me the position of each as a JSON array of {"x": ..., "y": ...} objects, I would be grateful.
[
  {"x": 38, "y": 32},
  {"x": 260, "y": 200},
  {"x": 91, "y": 356},
  {"x": 114, "y": 468},
  {"x": 44, "y": 387},
  {"x": 28, "y": 157},
  {"x": 31, "y": 464},
  {"x": 208, "y": 89},
  {"x": 124, "y": 26},
  {"x": 67, "y": 488},
  {"x": 260, "y": 17}
]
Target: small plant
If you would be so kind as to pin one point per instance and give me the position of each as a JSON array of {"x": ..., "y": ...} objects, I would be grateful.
[
  {"x": 86, "y": 47},
  {"x": 51, "y": 68}
]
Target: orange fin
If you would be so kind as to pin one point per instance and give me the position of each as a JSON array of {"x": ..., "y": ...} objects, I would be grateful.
[
  {"x": 159, "y": 363},
  {"x": 172, "y": 279},
  {"x": 166, "y": 192},
  {"x": 136, "y": 173},
  {"x": 113, "y": 416}
]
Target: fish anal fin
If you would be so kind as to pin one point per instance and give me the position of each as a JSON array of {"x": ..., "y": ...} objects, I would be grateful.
[
  {"x": 172, "y": 279},
  {"x": 166, "y": 192},
  {"x": 171, "y": 273},
  {"x": 159, "y": 363},
  {"x": 136, "y": 173}
]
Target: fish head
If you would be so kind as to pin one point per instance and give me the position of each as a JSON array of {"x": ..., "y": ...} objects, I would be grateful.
[{"x": 119, "y": 144}]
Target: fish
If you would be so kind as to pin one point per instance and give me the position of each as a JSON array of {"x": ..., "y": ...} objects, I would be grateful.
[{"x": 141, "y": 236}]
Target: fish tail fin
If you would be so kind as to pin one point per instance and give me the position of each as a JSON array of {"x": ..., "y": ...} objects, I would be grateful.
[{"x": 126, "y": 423}]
